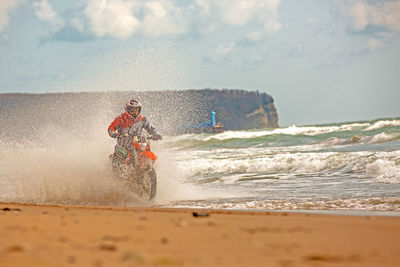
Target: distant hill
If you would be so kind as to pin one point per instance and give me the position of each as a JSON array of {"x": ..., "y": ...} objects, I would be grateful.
[{"x": 29, "y": 114}]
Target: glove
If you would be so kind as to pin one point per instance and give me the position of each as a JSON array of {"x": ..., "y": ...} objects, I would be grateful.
[
  {"x": 115, "y": 135},
  {"x": 157, "y": 137}
]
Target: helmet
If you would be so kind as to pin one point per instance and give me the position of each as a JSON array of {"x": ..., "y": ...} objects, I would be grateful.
[{"x": 131, "y": 107}]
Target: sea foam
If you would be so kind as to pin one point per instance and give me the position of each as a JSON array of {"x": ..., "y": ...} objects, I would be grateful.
[{"x": 384, "y": 171}]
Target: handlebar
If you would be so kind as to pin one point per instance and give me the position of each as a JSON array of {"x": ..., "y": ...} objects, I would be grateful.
[{"x": 140, "y": 139}]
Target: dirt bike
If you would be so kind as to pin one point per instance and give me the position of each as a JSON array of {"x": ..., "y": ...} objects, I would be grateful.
[{"x": 135, "y": 168}]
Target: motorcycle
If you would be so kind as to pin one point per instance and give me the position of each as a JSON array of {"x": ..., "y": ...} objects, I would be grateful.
[{"x": 136, "y": 168}]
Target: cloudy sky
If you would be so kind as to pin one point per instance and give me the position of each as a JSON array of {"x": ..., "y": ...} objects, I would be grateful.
[{"x": 322, "y": 60}]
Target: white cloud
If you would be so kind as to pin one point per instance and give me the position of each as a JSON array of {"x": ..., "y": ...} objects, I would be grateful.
[
  {"x": 44, "y": 11},
  {"x": 117, "y": 18},
  {"x": 374, "y": 44},
  {"x": 255, "y": 36},
  {"x": 120, "y": 18},
  {"x": 112, "y": 18},
  {"x": 239, "y": 12},
  {"x": 272, "y": 26},
  {"x": 6, "y": 6},
  {"x": 385, "y": 14},
  {"x": 220, "y": 53},
  {"x": 162, "y": 18}
]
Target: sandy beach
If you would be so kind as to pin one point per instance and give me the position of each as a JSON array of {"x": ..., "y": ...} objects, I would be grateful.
[{"x": 35, "y": 235}]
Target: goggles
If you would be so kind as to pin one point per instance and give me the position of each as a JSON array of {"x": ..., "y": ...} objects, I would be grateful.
[{"x": 133, "y": 109}]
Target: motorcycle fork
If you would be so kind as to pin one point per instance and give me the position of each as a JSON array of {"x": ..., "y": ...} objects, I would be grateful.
[
  {"x": 133, "y": 160},
  {"x": 128, "y": 159}
]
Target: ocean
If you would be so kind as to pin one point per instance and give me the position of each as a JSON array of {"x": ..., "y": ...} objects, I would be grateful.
[{"x": 350, "y": 167}]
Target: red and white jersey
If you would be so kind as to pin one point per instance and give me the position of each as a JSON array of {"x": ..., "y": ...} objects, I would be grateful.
[{"x": 127, "y": 124}]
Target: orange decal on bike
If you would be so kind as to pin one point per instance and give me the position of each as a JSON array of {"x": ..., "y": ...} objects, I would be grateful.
[
  {"x": 149, "y": 155},
  {"x": 136, "y": 145}
]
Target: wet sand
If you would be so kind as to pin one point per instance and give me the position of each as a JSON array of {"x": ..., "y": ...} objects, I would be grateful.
[{"x": 33, "y": 235}]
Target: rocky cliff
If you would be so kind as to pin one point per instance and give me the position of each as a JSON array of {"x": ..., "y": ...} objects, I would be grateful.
[{"x": 242, "y": 110}]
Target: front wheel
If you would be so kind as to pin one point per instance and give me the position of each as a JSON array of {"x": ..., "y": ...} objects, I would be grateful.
[{"x": 149, "y": 184}]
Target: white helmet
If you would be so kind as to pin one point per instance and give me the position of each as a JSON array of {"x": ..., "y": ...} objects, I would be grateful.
[{"x": 133, "y": 107}]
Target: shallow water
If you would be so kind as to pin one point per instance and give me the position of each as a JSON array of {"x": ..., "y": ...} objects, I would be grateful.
[{"x": 347, "y": 167}]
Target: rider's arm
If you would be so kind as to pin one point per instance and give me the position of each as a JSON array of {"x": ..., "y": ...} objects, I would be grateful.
[
  {"x": 112, "y": 129},
  {"x": 150, "y": 129}
]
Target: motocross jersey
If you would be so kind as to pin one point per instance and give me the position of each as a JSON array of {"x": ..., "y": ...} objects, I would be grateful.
[{"x": 127, "y": 124}]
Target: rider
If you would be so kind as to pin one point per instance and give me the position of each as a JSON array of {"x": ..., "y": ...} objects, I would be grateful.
[{"x": 128, "y": 124}]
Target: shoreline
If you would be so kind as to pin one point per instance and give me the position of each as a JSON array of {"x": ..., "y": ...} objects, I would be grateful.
[
  {"x": 67, "y": 235},
  {"x": 337, "y": 212}
]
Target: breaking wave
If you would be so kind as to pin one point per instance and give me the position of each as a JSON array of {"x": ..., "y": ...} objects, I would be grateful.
[
  {"x": 384, "y": 171},
  {"x": 292, "y": 130},
  {"x": 382, "y": 124},
  {"x": 383, "y": 137}
]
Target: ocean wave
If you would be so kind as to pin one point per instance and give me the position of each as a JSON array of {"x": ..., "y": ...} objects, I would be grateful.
[
  {"x": 286, "y": 163},
  {"x": 312, "y": 137},
  {"x": 361, "y": 139},
  {"x": 291, "y": 130},
  {"x": 382, "y": 167},
  {"x": 383, "y": 137},
  {"x": 382, "y": 124}
]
